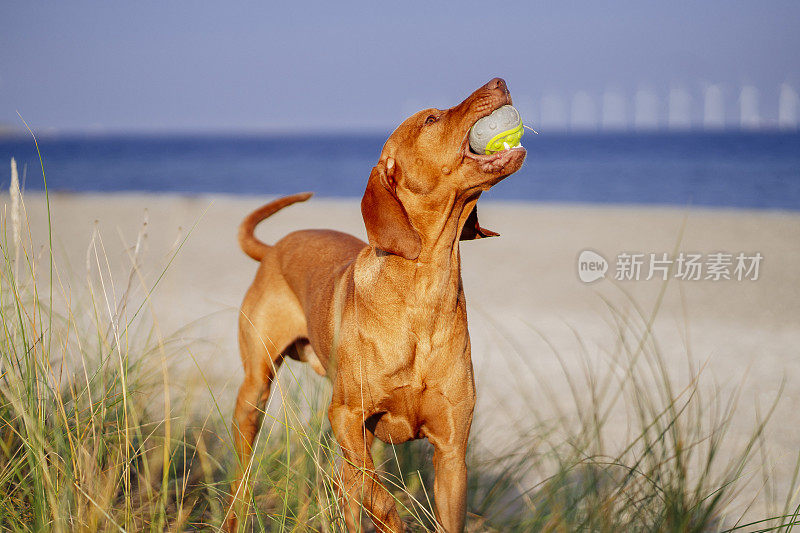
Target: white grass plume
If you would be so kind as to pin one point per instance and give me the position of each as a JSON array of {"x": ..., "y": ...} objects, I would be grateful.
[{"x": 16, "y": 195}]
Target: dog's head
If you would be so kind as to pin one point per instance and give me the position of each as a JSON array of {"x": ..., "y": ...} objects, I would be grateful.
[{"x": 427, "y": 174}]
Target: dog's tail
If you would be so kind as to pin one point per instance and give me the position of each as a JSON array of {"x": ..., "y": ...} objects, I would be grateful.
[{"x": 248, "y": 242}]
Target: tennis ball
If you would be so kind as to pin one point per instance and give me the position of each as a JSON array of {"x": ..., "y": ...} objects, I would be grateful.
[{"x": 500, "y": 130}]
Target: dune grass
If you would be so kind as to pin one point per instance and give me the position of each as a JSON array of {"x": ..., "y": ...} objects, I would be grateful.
[{"x": 94, "y": 436}]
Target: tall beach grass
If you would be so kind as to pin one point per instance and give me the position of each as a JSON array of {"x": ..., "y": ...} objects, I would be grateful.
[{"x": 98, "y": 433}]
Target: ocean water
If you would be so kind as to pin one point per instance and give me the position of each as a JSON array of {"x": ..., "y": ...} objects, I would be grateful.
[{"x": 750, "y": 170}]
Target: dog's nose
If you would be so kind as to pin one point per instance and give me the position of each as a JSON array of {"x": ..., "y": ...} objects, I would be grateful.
[{"x": 497, "y": 83}]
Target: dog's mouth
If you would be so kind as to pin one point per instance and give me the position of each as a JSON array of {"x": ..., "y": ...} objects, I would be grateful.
[{"x": 500, "y": 160}]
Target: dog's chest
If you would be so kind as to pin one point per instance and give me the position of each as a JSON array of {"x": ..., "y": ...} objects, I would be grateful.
[
  {"x": 411, "y": 351},
  {"x": 404, "y": 413},
  {"x": 417, "y": 366}
]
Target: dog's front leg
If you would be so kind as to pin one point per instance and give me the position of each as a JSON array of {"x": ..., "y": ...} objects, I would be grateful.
[
  {"x": 447, "y": 429},
  {"x": 450, "y": 487},
  {"x": 358, "y": 483}
]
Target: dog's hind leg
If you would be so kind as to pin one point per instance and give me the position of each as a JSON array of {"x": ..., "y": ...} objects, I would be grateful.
[{"x": 269, "y": 321}]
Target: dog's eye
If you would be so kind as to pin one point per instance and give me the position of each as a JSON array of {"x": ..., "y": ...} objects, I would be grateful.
[{"x": 431, "y": 119}]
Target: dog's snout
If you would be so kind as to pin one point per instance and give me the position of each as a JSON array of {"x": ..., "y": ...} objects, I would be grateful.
[{"x": 497, "y": 84}]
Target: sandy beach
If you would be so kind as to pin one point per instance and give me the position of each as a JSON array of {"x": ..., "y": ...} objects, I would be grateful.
[{"x": 526, "y": 301}]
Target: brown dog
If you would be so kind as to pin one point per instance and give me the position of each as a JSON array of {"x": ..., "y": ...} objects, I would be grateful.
[{"x": 386, "y": 321}]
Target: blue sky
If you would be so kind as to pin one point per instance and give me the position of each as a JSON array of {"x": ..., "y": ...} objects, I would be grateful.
[{"x": 253, "y": 66}]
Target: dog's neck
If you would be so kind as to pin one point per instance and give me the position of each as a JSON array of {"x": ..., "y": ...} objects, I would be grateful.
[
  {"x": 440, "y": 243},
  {"x": 438, "y": 266},
  {"x": 432, "y": 281}
]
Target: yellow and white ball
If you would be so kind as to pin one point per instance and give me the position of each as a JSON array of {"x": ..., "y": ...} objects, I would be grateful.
[{"x": 501, "y": 130}]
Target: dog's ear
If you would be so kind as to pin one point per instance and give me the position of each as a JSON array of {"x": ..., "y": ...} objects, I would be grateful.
[
  {"x": 473, "y": 230},
  {"x": 388, "y": 225}
]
